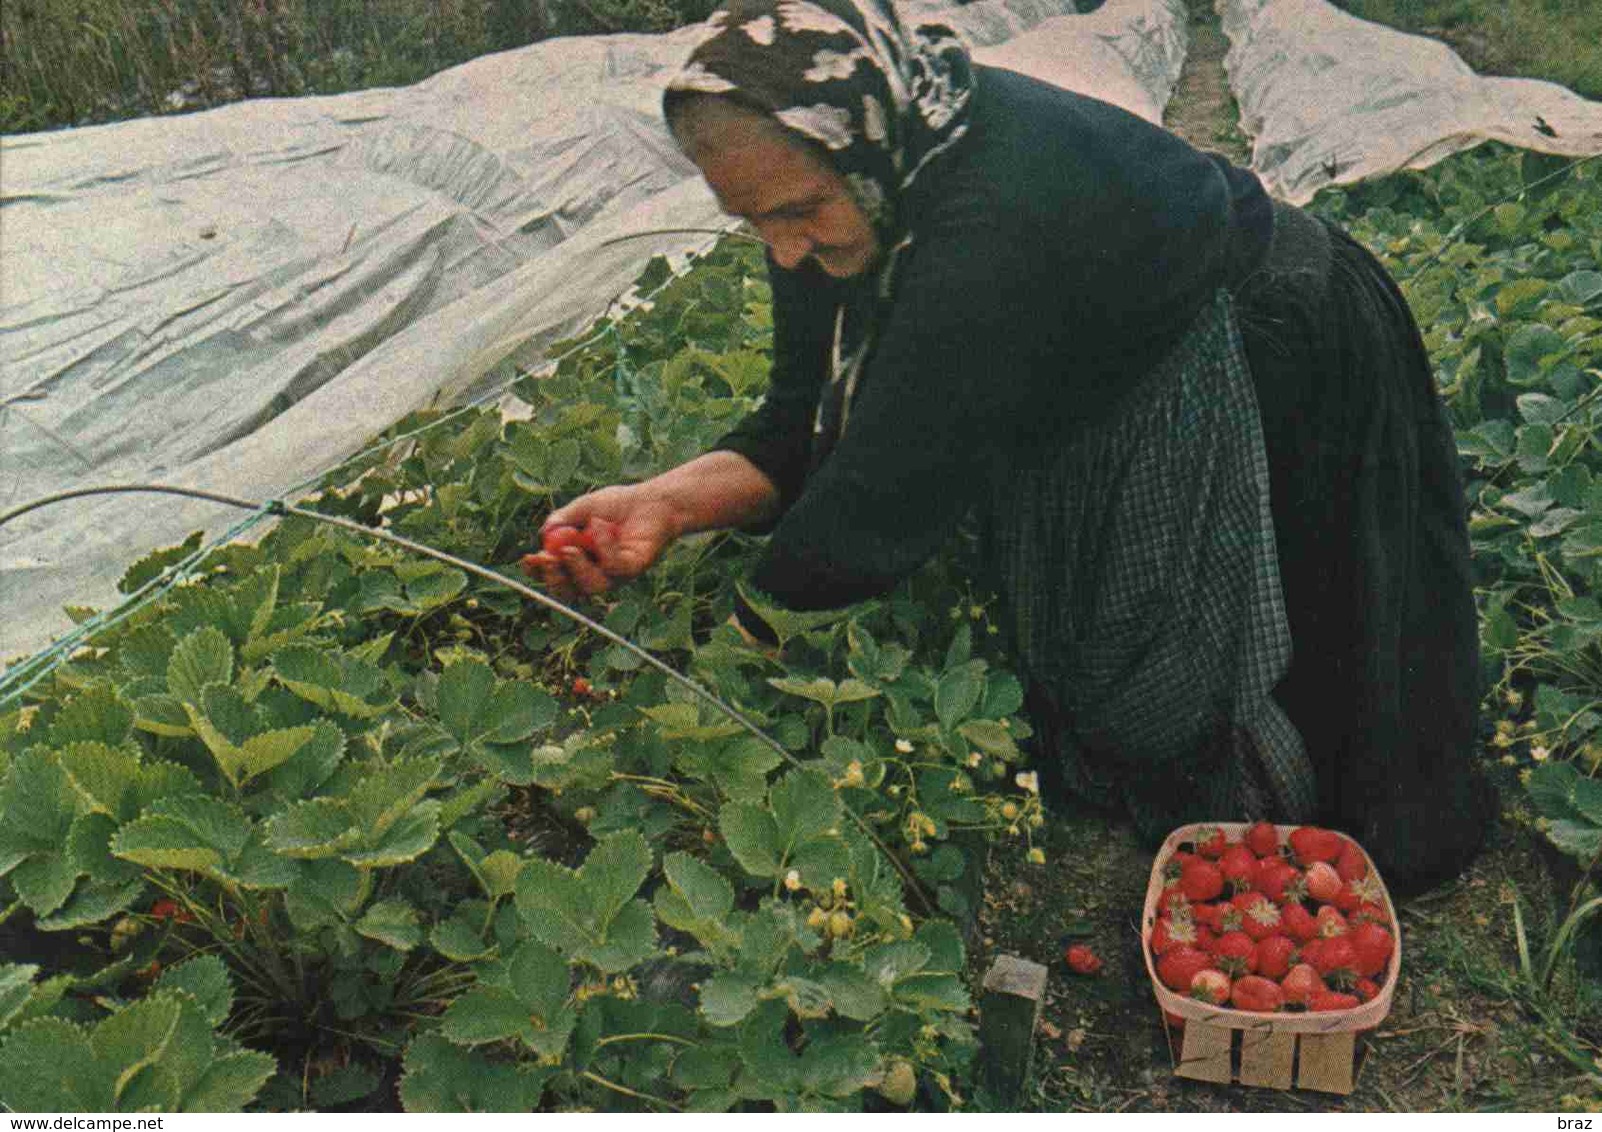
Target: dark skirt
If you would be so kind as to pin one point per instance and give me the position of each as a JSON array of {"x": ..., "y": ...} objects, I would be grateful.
[
  {"x": 1369, "y": 517},
  {"x": 1249, "y": 594}
]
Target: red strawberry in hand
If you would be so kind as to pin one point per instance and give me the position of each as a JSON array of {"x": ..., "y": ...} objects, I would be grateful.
[{"x": 557, "y": 539}]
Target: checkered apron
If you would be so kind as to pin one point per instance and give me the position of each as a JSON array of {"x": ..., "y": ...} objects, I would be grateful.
[{"x": 1138, "y": 569}]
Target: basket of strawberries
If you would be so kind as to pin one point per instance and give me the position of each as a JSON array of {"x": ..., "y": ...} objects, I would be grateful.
[{"x": 1270, "y": 950}]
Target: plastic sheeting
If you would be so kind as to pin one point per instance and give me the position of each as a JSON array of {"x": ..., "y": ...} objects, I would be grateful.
[
  {"x": 237, "y": 299},
  {"x": 1329, "y": 98}
]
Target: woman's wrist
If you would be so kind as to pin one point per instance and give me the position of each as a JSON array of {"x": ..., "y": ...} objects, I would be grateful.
[{"x": 718, "y": 490}]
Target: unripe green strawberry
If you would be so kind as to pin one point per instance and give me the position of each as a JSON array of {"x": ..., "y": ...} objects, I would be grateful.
[{"x": 900, "y": 1083}]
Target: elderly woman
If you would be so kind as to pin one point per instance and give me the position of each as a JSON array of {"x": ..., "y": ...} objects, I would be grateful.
[{"x": 1197, "y": 427}]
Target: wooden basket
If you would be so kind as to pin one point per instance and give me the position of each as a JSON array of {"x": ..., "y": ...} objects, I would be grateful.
[{"x": 1277, "y": 1051}]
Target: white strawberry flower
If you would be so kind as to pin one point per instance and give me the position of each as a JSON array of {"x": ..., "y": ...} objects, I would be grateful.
[
  {"x": 904, "y": 746},
  {"x": 1028, "y": 780}
]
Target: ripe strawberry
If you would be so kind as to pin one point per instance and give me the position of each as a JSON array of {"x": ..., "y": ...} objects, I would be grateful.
[
  {"x": 1367, "y": 889},
  {"x": 1173, "y": 901},
  {"x": 1347, "y": 899},
  {"x": 1082, "y": 960},
  {"x": 1177, "y": 968},
  {"x": 581, "y": 686},
  {"x": 1371, "y": 949},
  {"x": 1200, "y": 880},
  {"x": 1331, "y": 922},
  {"x": 1263, "y": 839},
  {"x": 167, "y": 909},
  {"x": 1275, "y": 955},
  {"x": 1168, "y": 933},
  {"x": 1239, "y": 868},
  {"x": 1323, "y": 882},
  {"x": 1253, "y": 992},
  {"x": 1352, "y": 864},
  {"x": 1243, "y": 900},
  {"x": 1298, "y": 923},
  {"x": 1229, "y": 917},
  {"x": 1208, "y": 915},
  {"x": 1366, "y": 990},
  {"x": 1309, "y": 843},
  {"x": 1300, "y": 982},
  {"x": 1261, "y": 919},
  {"x": 1211, "y": 986},
  {"x": 1332, "y": 957},
  {"x": 557, "y": 539},
  {"x": 1210, "y": 842},
  {"x": 1235, "y": 953},
  {"x": 1332, "y": 1000},
  {"x": 1279, "y": 880},
  {"x": 1368, "y": 913},
  {"x": 1174, "y": 864}
]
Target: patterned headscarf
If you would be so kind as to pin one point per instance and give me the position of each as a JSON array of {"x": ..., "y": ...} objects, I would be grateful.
[{"x": 882, "y": 99}]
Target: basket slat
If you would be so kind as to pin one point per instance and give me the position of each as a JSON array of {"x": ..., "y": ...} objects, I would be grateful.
[
  {"x": 1327, "y": 1062},
  {"x": 1204, "y": 1056},
  {"x": 1267, "y": 1059}
]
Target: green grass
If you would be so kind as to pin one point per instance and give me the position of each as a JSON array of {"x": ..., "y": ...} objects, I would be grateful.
[
  {"x": 71, "y": 62},
  {"x": 1558, "y": 40}
]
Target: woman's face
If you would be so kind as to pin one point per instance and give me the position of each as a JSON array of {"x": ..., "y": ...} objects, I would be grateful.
[{"x": 797, "y": 204}]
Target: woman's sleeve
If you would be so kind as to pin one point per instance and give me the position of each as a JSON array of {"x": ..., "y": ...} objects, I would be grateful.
[
  {"x": 957, "y": 380},
  {"x": 777, "y": 436}
]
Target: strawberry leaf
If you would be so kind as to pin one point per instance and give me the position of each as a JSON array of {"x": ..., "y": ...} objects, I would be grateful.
[
  {"x": 206, "y": 979},
  {"x": 204, "y": 657},
  {"x": 391, "y": 922},
  {"x": 443, "y": 1077}
]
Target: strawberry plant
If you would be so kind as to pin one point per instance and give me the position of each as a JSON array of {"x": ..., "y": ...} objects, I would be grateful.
[{"x": 368, "y": 787}]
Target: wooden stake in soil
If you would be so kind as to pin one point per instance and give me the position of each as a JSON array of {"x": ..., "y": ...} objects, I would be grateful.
[{"x": 1008, "y": 1013}]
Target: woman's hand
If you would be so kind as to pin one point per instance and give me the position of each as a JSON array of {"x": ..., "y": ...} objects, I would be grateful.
[{"x": 629, "y": 526}]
